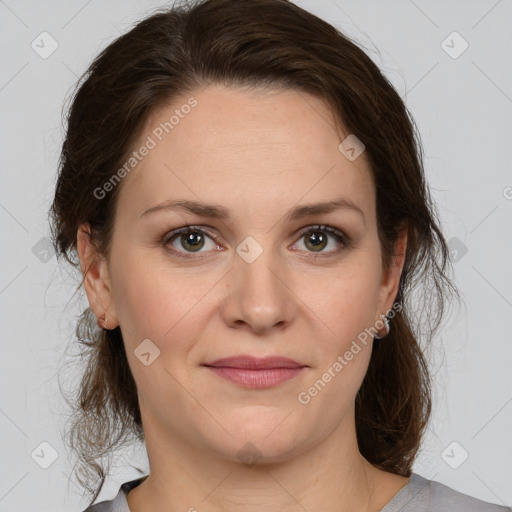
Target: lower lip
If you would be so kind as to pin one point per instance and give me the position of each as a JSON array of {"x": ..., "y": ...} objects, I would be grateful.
[{"x": 256, "y": 379}]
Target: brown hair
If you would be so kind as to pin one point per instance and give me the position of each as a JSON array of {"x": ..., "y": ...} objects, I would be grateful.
[{"x": 269, "y": 43}]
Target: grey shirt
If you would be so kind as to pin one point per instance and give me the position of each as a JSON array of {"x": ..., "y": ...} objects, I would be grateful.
[{"x": 419, "y": 495}]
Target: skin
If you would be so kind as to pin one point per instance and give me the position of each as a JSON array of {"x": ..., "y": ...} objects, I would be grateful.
[{"x": 257, "y": 153}]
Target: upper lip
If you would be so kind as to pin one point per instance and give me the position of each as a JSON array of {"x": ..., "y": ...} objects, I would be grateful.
[{"x": 255, "y": 363}]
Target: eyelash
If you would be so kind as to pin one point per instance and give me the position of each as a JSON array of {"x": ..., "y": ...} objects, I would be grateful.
[{"x": 339, "y": 236}]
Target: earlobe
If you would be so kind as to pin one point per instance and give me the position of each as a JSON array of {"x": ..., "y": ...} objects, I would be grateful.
[{"x": 96, "y": 279}]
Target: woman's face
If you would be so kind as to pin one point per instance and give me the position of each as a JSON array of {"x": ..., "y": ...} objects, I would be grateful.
[{"x": 249, "y": 282}]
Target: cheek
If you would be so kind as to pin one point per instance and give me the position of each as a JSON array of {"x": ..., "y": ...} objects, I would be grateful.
[
  {"x": 161, "y": 304},
  {"x": 348, "y": 300},
  {"x": 148, "y": 303}
]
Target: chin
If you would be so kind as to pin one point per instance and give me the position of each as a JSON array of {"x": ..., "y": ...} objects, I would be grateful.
[{"x": 262, "y": 442}]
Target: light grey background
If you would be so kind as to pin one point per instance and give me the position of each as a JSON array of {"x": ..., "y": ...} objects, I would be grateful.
[{"x": 463, "y": 107}]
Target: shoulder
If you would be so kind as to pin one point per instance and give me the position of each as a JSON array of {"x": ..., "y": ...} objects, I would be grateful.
[
  {"x": 422, "y": 495},
  {"x": 119, "y": 503}
]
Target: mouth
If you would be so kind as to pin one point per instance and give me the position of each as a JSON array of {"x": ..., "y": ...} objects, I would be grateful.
[{"x": 256, "y": 373}]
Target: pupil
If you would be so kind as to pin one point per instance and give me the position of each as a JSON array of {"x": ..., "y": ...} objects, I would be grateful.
[
  {"x": 189, "y": 240},
  {"x": 317, "y": 239}
]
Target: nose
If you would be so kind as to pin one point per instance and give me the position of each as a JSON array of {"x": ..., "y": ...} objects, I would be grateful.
[{"x": 259, "y": 295}]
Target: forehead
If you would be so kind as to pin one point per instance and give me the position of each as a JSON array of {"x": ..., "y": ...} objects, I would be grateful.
[{"x": 245, "y": 147}]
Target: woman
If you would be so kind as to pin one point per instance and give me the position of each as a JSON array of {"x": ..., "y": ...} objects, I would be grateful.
[{"x": 246, "y": 198}]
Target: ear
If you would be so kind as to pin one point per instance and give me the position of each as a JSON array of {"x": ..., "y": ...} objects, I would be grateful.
[
  {"x": 391, "y": 276},
  {"x": 96, "y": 278}
]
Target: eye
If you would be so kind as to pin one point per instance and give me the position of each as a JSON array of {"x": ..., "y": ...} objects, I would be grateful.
[
  {"x": 185, "y": 241},
  {"x": 191, "y": 239},
  {"x": 316, "y": 239}
]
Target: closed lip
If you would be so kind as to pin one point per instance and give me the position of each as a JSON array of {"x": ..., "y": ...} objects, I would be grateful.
[{"x": 255, "y": 363}]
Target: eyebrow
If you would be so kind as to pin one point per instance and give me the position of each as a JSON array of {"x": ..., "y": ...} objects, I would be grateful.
[{"x": 219, "y": 212}]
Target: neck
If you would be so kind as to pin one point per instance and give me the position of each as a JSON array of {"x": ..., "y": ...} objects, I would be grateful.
[{"x": 333, "y": 474}]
